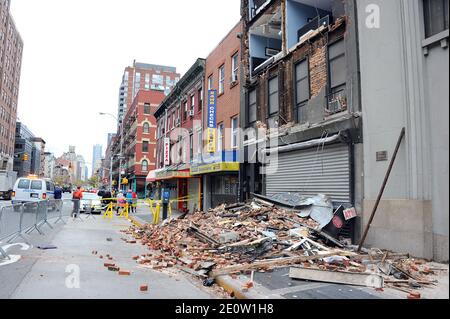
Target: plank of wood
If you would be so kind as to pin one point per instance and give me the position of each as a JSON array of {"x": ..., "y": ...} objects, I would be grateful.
[
  {"x": 400, "y": 288},
  {"x": 280, "y": 262},
  {"x": 337, "y": 277}
]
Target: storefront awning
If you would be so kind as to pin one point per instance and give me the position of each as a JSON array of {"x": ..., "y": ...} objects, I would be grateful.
[
  {"x": 214, "y": 168},
  {"x": 151, "y": 177},
  {"x": 169, "y": 172}
]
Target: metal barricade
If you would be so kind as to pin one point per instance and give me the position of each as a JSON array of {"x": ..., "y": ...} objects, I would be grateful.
[
  {"x": 34, "y": 211},
  {"x": 12, "y": 225}
]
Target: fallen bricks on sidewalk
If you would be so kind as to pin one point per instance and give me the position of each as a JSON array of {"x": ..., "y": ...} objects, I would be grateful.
[{"x": 261, "y": 236}]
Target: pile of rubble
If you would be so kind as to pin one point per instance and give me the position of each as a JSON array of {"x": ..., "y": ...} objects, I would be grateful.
[{"x": 261, "y": 236}]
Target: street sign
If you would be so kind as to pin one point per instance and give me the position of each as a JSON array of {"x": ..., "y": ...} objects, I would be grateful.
[
  {"x": 166, "y": 151},
  {"x": 212, "y": 121}
]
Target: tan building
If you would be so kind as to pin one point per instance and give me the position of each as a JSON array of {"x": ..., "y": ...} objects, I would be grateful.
[{"x": 11, "y": 46}]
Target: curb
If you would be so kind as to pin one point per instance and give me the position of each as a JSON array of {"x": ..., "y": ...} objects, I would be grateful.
[{"x": 232, "y": 286}]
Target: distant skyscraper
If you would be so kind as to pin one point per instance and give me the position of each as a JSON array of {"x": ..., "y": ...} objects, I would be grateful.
[{"x": 96, "y": 158}]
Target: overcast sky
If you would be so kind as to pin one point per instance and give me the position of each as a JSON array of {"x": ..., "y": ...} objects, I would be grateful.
[{"x": 75, "y": 52}]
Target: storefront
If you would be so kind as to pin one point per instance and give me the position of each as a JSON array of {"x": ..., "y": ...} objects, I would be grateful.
[
  {"x": 220, "y": 179},
  {"x": 185, "y": 190}
]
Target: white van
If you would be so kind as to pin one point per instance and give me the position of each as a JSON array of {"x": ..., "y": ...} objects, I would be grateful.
[{"x": 32, "y": 189}]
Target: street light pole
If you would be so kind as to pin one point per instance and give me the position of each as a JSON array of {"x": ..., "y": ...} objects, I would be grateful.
[{"x": 121, "y": 155}]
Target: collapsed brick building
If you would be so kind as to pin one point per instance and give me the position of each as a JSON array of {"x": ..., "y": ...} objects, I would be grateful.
[{"x": 300, "y": 70}]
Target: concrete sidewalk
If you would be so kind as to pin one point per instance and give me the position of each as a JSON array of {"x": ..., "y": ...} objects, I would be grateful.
[{"x": 52, "y": 273}]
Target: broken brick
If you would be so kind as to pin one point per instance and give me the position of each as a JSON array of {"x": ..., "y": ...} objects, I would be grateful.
[
  {"x": 143, "y": 288},
  {"x": 124, "y": 273}
]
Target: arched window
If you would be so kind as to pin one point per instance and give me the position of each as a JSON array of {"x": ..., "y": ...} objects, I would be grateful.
[
  {"x": 144, "y": 166},
  {"x": 146, "y": 128}
]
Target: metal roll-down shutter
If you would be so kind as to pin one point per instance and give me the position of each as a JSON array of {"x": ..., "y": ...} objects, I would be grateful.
[{"x": 313, "y": 171}]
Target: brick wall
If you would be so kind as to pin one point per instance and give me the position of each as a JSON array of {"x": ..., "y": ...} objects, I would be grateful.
[{"x": 228, "y": 103}]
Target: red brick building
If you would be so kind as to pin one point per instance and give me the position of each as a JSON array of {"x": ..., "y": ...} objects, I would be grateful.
[
  {"x": 182, "y": 109},
  {"x": 139, "y": 138},
  {"x": 220, "y": 170}
]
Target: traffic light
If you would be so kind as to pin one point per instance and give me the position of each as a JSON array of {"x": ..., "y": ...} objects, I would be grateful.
[
  {"x": 125, "y": 181},
  {"x": 25, "y": 157}
]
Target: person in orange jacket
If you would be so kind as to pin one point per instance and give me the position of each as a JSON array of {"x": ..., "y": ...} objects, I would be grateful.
[{"x": 77, "y": 197}]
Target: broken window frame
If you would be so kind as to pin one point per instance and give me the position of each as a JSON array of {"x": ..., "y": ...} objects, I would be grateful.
[
  {"x": 335, "y": 90},
  {"x": 249, "y": 105},
  {"x": 273, "y": 115},
  {"x": 300, "y": 104},
  {"x": 273, "y": 79}
]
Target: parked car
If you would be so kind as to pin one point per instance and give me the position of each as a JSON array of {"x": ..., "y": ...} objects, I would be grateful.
[
  {"x": 67, "y": 189},
  {"x": 91, "y": 201}
]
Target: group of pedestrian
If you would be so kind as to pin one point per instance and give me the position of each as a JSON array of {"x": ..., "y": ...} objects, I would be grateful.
[
  {"x": 129, "y": 198},
  {"x": 121, "y": 199}
]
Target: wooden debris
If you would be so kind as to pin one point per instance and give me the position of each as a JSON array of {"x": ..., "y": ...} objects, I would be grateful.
[{"x": 337, "y": 277}]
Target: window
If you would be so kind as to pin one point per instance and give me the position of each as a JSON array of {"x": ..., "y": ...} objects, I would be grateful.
[
  {"x": 146, "y": 128},
  {"x": 147, "y": 81},
  {"x": 234, "y": 67},
  {"x": 36, "y": 185},
  {"x": 302, "y": 90},
  {"x": 221, "y": 79},
  {"x": 252, "y": 107},
  {"x": 147, "y": 108},
  {"x": 145, "y": 147},
  {"x": 192, "y": 102},
  {"x": 191, "y": 147},
  {"x": 24, "y": 184},
  {"x": 435, "y": 16},
  {"x": 220, "y": 137},
  {"x": 210, "y": 82},
  {"x": 234, "y": 132},
  {"x": 337, "y": 101},
  {"x": 137, "y": 83},
  {"x": 158, "y": 80},
  {"x": 200, "y": 99},
  {"x": 273, "y": 97},
  {"x": 144, "y": 166},
  {"x": 185, "y": 110}
]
